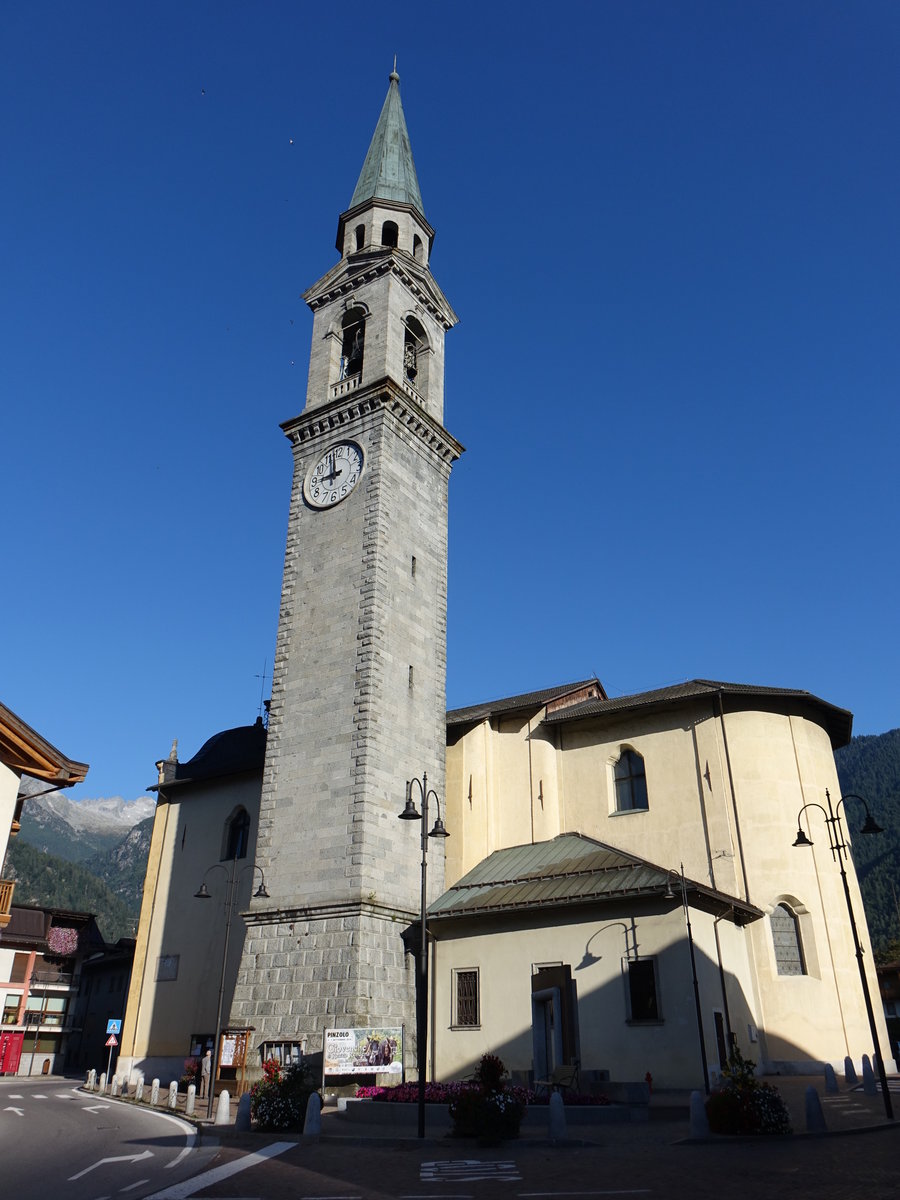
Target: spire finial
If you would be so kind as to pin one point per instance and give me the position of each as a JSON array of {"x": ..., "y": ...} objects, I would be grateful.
[{"x": 394, "y": 77}]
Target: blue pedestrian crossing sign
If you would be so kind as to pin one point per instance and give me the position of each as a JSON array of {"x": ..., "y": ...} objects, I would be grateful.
[{"x": 114, "y": 1025}]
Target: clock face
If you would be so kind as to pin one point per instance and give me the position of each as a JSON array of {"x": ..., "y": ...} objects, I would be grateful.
[{"x": 334, "y": 476}]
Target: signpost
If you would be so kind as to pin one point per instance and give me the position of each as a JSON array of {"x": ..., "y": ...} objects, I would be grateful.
[{"x": 113, "y": 1026}]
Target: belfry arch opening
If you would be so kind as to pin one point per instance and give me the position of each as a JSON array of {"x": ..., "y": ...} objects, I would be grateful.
[
  {"x": 390, "y": 233},
  {"x": 353, "y": 342},
  {"x": 415, "y": 355}
]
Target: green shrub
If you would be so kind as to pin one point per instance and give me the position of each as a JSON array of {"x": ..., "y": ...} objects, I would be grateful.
[
  {"x": 744, "y": 1105},
  {"x": 279, "y": 1100}
]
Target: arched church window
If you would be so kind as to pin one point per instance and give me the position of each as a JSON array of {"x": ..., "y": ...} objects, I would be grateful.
[
  {"x": 360, "y": 232},
  {"x": 417, "y": 247},
  {"x": 237, "y": 834},
  {"x": 389, "y": 233},
  {"x": 786, "y": 941},
  {"x": 353, "y": 340},
  {"x": 631, "y": 782}
]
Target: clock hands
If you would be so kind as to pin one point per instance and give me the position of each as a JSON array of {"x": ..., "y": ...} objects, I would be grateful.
[{"x": 335, "y": 470}]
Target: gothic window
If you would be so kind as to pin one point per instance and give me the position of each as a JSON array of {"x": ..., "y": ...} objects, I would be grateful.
[
  {"x": 786, "y": 940},
  {"x": 360, "y": 232},
  {"x": 237, "y": 834},
  {"x": 643, "y": 1001},
  {"x": 353, "y": 340},
  {"x": 465, "y": 999},
  {"x": 389, "y": 233},
  {"x": 631, "y": 782}
]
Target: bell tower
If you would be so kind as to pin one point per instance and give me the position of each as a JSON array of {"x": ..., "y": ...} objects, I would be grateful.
[{"x": 358, "y": 693}]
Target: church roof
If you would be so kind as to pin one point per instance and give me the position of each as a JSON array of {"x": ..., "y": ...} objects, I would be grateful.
[
  {"x": 571, "y": 869},
  {"x": 230, "y": 752},
  {"x": 389, "y": 172},
  {"x": 735, "y": 696},
  {"x": 494, "y": 708}
]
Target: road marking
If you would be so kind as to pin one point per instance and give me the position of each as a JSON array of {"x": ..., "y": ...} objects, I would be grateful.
[
  {"x": 38, "y": 1096},
  {"x": 132, "y": 1186},
  {"x": 20, "y": 1111},
  {"x": 181, "y": 1191},
  {"x": 119, "y": 1158},
  {"x": 468, "y": 1170},
  {"x": 615, "y": 1192},
  {"x": 191, "y": 1139},
  {"x": 14, "y": 1096},
  {"x": 94, "y": 1107}
]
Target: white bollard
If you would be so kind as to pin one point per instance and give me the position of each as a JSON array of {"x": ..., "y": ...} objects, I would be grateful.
[
  {"x": 189, "y": 1102},
  {"x": 101, "y": 1085},
  {"x": 312, "y": 1122},
  {"x": 154, "y": 1092},
  {"x": 173, "y": 1095},
  {"x": 139, "y": 1089},
  {"x": 242, "y": 1117},
  {"x": 92, "y": 1080},
  {"x": 223, "y": 1109},
  {"x": 850, "y": 1072},
  {"x": 114, "y": 1086},
  {"x": 831, "y": 1084},
  {"x": 557, "y": 1118},
  {"x": 699, "y": 1119},
  {"x": 815, "y": 1118}
]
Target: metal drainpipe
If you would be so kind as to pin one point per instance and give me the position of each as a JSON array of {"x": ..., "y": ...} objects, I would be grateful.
[{"x": 737, "y": 824}]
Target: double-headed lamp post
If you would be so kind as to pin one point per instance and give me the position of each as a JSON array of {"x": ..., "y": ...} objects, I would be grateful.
[
  {"x": 203, "y": 893},
  {"x": 839, "y": 850},
  {"x": 411, "y": 813}
]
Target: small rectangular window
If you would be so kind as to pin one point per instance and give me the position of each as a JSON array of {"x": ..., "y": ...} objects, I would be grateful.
[
  {"x": 465, "y": 999},
  {"x": 167, "y": 968},
  {"x": 643, "y": 1002}
]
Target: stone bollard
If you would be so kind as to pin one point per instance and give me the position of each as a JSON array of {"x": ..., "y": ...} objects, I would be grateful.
[
  {"x": 154, "y": 1092},
  {"x": 815, "y": 1118},
  {"x": 223, "y": 1109},
  {"x": 242, "y": 1117},
  {"x": 556, "y": 1119},
  {"x": 831, "y": 1083},
  {"x": 139, "y": 1089},
  {"x": 114, "y": 1086},
  {"x": 189, "y": 1102},
  {"x": 91, "y": 1080},
  {"x": 869, "y": 1086},
  {"x": 173, "y": 1095},
  {"x": 101, "y": 1084},
  {"x": 124, "y": 1085},
  {"x": 699, "y": 1119},
  {"x": 312, "y": 1122},
  {"x": 850, "y": 1072}
]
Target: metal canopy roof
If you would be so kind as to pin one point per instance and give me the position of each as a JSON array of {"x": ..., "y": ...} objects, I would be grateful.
[
  {"x": 389, "y": 172},
  {"x": 571, "y": 869}
]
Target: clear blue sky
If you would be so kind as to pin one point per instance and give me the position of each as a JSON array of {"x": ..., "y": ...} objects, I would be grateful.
[{"x": 671, "y": 233}]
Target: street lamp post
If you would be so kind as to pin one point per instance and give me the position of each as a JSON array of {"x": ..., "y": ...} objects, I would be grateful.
[
  {"x": 670, "y": 895},
  {"x": 411, "y": 813},
  {"x": 203, "y": 893},
  {"x": 839, "y": 850}
]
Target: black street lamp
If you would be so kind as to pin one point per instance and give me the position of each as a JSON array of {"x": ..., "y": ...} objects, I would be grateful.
[
  {"x": 203, "y": 893},
  {"x": 411, "y": 813},
  {"x": 670, "y": 895},
  {"x": 839, "y": 850}
]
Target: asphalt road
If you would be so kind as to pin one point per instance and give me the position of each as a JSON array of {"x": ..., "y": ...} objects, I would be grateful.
[{"x": 57, "y": 1142}]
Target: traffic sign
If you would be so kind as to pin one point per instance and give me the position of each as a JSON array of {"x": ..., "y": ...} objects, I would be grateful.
[
  {"x": 112, "y": 1040},
  {"x": 114, "y": 1025}
]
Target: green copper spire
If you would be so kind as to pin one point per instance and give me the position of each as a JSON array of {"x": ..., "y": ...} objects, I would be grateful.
[{"x": 389, "y": 172}]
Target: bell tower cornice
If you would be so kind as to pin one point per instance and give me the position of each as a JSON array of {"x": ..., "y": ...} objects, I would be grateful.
[{"x": 353, "y": 272}]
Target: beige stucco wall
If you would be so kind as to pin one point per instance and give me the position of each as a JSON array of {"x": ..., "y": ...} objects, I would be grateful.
[
  {"x": 724, "y": 794},
  {"x": 188, "y": 838},
  {"x": 597, "y": 948}
]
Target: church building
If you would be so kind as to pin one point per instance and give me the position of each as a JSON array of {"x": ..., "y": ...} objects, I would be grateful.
[{"x": 620, "y": 891}]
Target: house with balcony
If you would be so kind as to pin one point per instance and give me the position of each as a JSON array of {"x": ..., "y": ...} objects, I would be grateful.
[
  {"x": 41, "y": 954},
  {"x": 25, "y": 752}
]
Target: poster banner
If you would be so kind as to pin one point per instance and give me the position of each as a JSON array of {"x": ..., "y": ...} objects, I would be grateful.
[{"x": 363, "y": 1052}]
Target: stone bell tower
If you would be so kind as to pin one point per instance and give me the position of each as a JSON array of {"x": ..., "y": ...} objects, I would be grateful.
[{"x": 358, "y": 695}]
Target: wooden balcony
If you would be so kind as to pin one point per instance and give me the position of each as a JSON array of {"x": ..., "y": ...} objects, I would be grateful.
[{"x": 7, "y": 887}]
